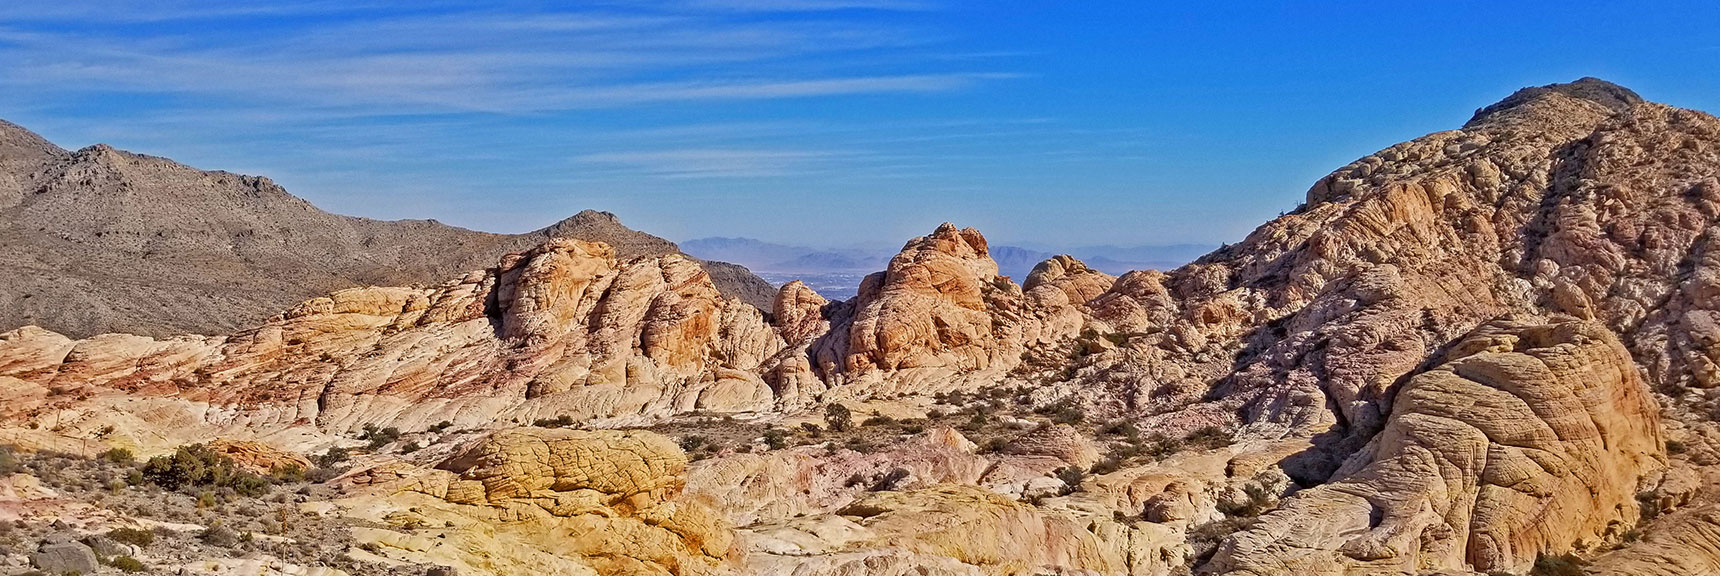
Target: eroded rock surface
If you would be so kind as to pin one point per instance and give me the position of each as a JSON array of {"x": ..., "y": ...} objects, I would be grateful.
[
  {"x": 607, "y": 502},
  {"x": 1528, "y": 440}
]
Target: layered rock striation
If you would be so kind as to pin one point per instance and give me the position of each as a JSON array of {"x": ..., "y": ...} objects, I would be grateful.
[{"x": 1528, "y": 440}]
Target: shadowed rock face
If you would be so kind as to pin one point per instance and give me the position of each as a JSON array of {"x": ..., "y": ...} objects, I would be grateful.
[{"x": 1528, "y": 439}]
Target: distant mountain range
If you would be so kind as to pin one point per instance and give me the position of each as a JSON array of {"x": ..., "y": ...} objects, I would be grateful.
[
  {"x": 103, "y": 240},
  {"x": 836, "y": 272}
]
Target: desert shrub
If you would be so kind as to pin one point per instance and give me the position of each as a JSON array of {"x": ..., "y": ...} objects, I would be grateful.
[
  {"x": 976, "y": 421},
  {"x": 8, "y": 461},
  {"x": 410, "y": 447},
  {"x": 1208, "y": 437},
  {"x": 319, "y": 475},
  {"x": 196, "y": 465},
  {"x": 1064, "y": 412},
  {"x": 691, "y": 443},
  {"x": 379, "y": 437},
  {"x": 132, "y": 536},
  {"x": 287, "y": 473},
  {"x": 1675, "y": 447},
  {"x": 838, "y": 418},
  {"x": 1557, "y": 565},
  {"x": 127, "y": 564},
  {"x": 1160, "y": 447},
  {"x": 561, "y": 421},
  {"x": 1122, "y": 428},
  {"x": 879, "y": 420},
  {"x": 333, "y": 457},
  {"x": 891, "y": 480},
  {"x": 440, "y": 426},
  {"x": 1205, "y": 538},
  {"x": 117, "y": 456},
  {"x": 1648, "y": 506},
  {"x": 994, "y": 445},
  {"x": 776, "y": 438},
  {"x": 219, "y": 537},
  {"x": 1258, "y": 501},
  {"x": 1072, "y": 478},
  {"x": 860, "y": 445}
]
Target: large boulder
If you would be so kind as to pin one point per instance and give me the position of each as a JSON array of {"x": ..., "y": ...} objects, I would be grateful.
[{"x": 65, "y": 558}]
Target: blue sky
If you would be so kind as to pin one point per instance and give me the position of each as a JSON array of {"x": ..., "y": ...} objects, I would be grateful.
[{"x": 821, "y": 122}]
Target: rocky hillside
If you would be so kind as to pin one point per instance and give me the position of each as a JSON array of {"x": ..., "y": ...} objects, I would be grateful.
[
  {"x": 1483, "y": 351},
  {"x": 102, "y": 240}
]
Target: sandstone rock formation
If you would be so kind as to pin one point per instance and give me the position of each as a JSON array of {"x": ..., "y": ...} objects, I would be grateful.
[
  {"x": 561, "y": 330},
  {"x": 574, "y": 502},
  {"x": 1527, "y": 440},
  {"x": 928, "y": 309}
]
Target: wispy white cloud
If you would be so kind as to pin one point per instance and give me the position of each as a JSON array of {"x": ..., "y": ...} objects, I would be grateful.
[
  {"x": 711, "y": 163},
  {"x": 808, "y": 5},
  {"x": 126, "y": 11},
  {"x": 477, "y": 61}
]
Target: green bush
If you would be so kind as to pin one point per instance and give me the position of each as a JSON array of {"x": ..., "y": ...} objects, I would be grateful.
[
  {"x": 8, "y": 462},
  {"x": 118, "y": 456},
  {"x": 219, "y": 537},
  {"x": 776, "y": 438},
  {"x": 891, "y": 480},
  {"x": 1208, "y": 437},
  {"x": 561, "y": 421},
  {"x": 333, "y": 457},
  {"x": 1560, "y": 565},
  {"x": 127, "y": 564},
  {"x": 1072, "y": 478},
  {"x": 838, "y": 418},
  {"x": 196, "y": 465},
  {"x": 1122, "y": 428},
  {"x": 879, "y": 420},
  {"x": 860, "y": 445},
  {"x": 132, "y": 536},
  {"x": 976, "y": 422},
  {"x": 379, "y": 437},
  {"x": 691, "y": 443},
  {"x": 1259, "y": 501},
  {"x": 1063, "y": 412},
  {"x": 288, "y": 473}
]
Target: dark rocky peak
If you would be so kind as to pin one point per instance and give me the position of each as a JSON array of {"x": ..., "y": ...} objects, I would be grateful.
[
  {"x": 1607, "y": 94},
  {"x": 23, "y": 150}
]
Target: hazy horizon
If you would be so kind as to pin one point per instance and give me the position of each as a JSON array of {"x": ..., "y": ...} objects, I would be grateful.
[{"x": 812, "y": 122}]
